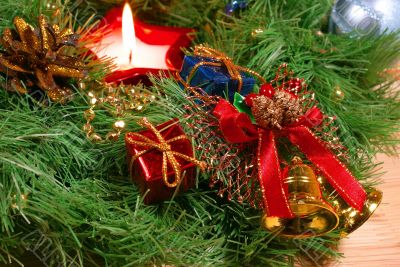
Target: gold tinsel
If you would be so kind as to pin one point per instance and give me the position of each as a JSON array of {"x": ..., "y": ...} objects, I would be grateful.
[
  {"x": 282, "y": 109},
  {"x": 37, "y": 56}
]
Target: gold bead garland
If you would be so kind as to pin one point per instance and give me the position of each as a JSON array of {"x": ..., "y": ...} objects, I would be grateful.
[
  {"x": 338, "y": 95},
  {"x": 255, "y": 32},
  {"x": 118, "y": 100}
]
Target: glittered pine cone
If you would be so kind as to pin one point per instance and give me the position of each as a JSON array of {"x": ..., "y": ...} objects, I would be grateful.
[
  {"x": 281, "y": 110},
  {"x": 291, "y": 106},
  {"x": 266, "y": 113},
  {"x": 36, "y": 56}
]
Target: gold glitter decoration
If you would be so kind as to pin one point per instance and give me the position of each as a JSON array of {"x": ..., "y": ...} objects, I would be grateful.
[
  {"x": 117, "y": 100},
  {"x": 282, "y": 109},
  {"x": 169, "y": 156},
  {"x": 37, "y": 56}
]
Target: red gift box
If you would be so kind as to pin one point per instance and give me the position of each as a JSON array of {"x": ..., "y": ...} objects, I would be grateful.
[{"x": 147, "y": 170}]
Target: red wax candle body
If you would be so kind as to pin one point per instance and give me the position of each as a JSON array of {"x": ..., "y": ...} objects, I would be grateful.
[{"x": 165, "y": 40}]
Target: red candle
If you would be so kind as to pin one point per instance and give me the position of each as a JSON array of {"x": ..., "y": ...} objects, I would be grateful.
[{"x": 138, "y": 48}]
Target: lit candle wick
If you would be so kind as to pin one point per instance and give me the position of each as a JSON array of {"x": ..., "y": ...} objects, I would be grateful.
[{"x": 128, "y": 33}]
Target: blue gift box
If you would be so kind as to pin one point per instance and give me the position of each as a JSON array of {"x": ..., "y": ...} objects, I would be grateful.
[{"x": 215, "y": 80}]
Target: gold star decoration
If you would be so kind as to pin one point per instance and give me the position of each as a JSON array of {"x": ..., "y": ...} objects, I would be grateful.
[{"x": 39, "y": 56}]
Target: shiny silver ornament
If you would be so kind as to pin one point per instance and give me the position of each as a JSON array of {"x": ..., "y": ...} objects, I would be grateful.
[{"x": 365, "y": 17}]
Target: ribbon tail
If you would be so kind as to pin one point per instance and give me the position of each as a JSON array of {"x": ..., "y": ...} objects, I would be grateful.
[
  {"x": 270, "y": 178},
  {"x": 169, "y": 157},
  {"x": 336, "y": 173}
]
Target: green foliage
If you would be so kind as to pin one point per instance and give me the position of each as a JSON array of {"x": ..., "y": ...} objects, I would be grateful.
[
  {"x": 80, "y": 200},
  {"x": 9, "y": 9}
]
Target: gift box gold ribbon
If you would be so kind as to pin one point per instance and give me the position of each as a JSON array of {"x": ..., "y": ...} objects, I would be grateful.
[
  {"x": 168, "y": 155},
  {"x": 219, "y": 59}
]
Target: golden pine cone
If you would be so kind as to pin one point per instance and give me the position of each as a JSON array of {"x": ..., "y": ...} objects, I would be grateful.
[
  {"x": 266, "y": 113},
  {"x": 37, "y": 56},
  {"x": 291, "y": 106}
]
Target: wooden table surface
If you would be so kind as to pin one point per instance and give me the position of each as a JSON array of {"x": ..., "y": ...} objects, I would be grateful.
[{"x": 377, "y": 242}]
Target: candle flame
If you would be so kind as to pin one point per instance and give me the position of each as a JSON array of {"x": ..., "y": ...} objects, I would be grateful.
[{"x": 128, "y": 31}]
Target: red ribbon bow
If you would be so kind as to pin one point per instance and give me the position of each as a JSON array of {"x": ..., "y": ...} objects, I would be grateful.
[{"x": 238, "y": 128}]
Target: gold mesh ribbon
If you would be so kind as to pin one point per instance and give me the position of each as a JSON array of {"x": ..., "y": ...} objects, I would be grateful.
[
  {"x": 219, "y": 59},
  {"x": 168, "y": 155}
]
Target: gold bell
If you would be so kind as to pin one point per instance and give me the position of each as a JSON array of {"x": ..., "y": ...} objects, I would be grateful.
[
  {"x": 313, "y": 216},
  {"x": 350, "y": 218}
]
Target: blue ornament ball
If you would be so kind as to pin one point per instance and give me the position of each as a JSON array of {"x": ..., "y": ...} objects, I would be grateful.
[
  {"x": 365, "y": 17},
  {"x": 235, "y": 5}
]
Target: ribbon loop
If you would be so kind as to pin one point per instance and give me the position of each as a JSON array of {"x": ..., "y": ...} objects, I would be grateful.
[
  {"x": 168, "y": 155},
  {"x": 312, "y": 118},
  {"x": 235, "y": 126}
]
